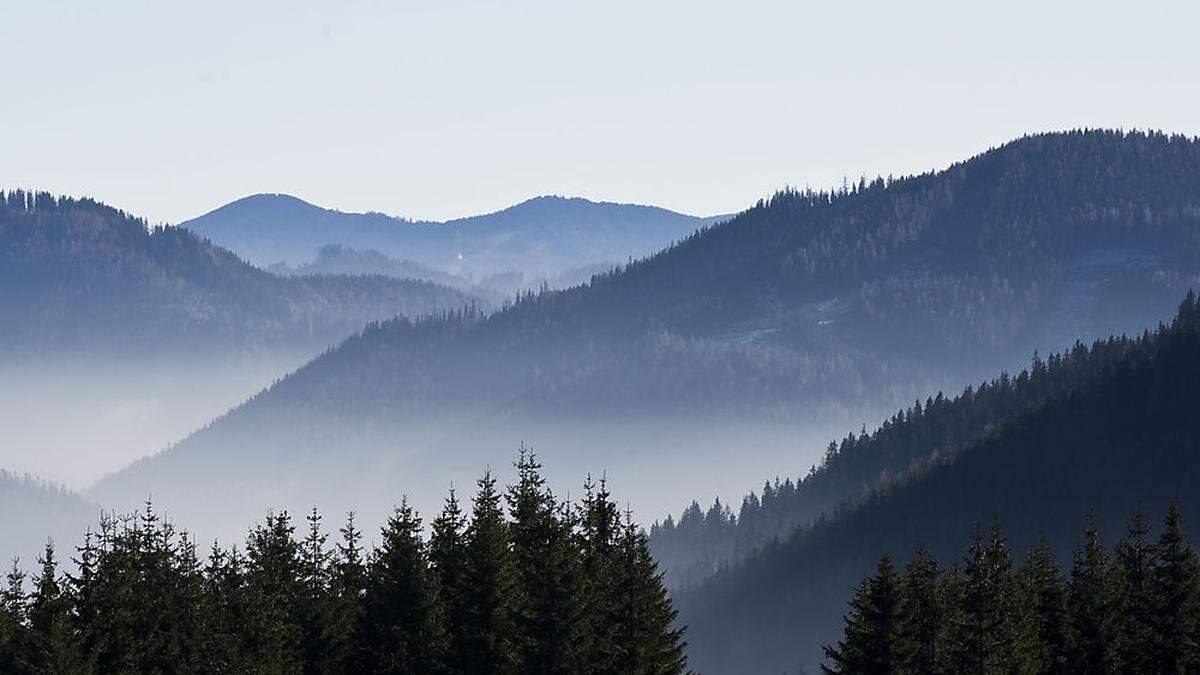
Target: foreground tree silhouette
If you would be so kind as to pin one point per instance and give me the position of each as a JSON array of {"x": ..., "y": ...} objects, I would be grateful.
[
  {"x": 404, "y": 627},
  {"x": 551, "y": 588},
  {"x": 1137, "y": 611},
  {"x": 869, "y": 643}
]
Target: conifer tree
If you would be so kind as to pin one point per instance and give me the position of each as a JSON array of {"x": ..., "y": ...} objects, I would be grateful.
[
  {"x": 223, "y": 614},
  {"x": 1174, "y": 587},
  {"x": 273, "y": 585},
  {"x": 868, "y": 645},
  {"x": 53, "y": 639},
  {"x": 315, "y": 603},
  {"x": 1132, "y": 617},
  {"x": 448, "y": 558},
  {"x": 1041, "y": 641},
  {"x": 1087, "y": 605},
  {"x": 16, "y": 643},
  {"x": 489, "y": 639},
  {"x": 649, "y": 642},
  {"x": 547, "y": 597},
  {"x": 598, "y": 537},
  {"x": 918, "y": 616},
  {"x": 404, "y": 618},
  {"x": 954, "y": 652},
  {"x": 348, "y": 584},
  {"x": 987, "y": 579}
]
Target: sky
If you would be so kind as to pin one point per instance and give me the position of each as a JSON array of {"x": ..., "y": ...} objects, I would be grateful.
[{"x": 443, "y": 108}]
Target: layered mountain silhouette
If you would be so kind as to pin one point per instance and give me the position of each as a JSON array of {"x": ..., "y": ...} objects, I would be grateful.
[
  {"x": 79, "y": 275},
  {"x": 807, "y": 309},
  {"x": 48, "y": 511},
  {"x": 540, "y": 237},
  {"x": 1115, "y": 435}
]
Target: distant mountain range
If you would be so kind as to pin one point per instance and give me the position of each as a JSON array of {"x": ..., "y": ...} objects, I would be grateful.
[
  {"x": 807, "y": 309},
  {"x": 79, "y": 275},
  {"x": 540, "y": 237},
  {"x": 1103, "y": 431},
  {"x": 494, "y": 288}
]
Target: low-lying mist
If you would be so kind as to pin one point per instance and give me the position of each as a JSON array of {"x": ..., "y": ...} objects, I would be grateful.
[
  {"x": 72, "y": 420},
  {"x": 652, "y": 468}
]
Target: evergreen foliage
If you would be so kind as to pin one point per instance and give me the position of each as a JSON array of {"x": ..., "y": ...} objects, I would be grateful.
[
  {"x": 543, "y": 586},
  {"x": 1125, "y": 434},
  {"x": 1017, "y": 622}
]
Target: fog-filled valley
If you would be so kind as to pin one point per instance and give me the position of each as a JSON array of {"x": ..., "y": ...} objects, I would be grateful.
[{"x": 765, "y": 363}]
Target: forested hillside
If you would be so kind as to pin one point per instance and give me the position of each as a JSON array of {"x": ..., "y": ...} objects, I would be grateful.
[
  {"x": 77, "y": 274},
  {"x": 808, "y": 309},
  {"x": 1126, "y": 440},
  {"x": 538, "y": 237},
  {"x": 703, "y": 541}
]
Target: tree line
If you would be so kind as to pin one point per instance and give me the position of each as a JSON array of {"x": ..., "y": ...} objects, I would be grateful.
[
  {"x": 524, "y": 583},
  {"x": 1134, "y": 609},
  {"x": 1127, "y": 438}
]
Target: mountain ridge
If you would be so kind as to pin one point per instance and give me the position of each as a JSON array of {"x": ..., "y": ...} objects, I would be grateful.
[
  {"x": 542, "y": 235},
  {"x": 807, "y": 309}
]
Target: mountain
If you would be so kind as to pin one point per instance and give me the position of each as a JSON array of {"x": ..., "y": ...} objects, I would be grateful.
[
  {"x": 47, "y": 511},
  {"x": 78, "y": 274},
  {"x": 719, "y": 359},
  {"x": 705, "y": 541},
  {"x": 337, "y": 259},
  {"x": 541, "y": 236},
  {"x": 1123, "y": 439}
]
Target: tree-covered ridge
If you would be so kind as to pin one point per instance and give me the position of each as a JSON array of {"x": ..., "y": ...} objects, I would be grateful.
[
  {"x": 1132, "y": 609},
  {"x": 524, "y": 583},
  {"x": 77, "y": 273},
  {"x": 705, "y": 540},
  {"x": 866, "y": 295},
  {"x": 1125, "y": 440},
  {"x": 540, "y": 236}
]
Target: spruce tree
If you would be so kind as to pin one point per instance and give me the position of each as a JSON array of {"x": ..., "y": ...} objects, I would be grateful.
[
  {"x": 315, "y": 603},
  {"x": 1133, "y": 613},
  {"x": 1041, "y": 612},
  {"x": 16, "y": 642},
  {"x": 273, "y": 573},
  {"x": 648, "y": 641},
  {"x": 547, "y": 597},
  {"x": 489, "y": 640},
  {"x": 1087, "y": 605},
  {"x": 448, "y": 558},
  {"x": 348, "y": 587},
  {"x": 868, "y": 644},
  {"x": 918, "y": 616},
  {"x": 1174, "y": 587},
  {"x": 51, "y": 630},
  {"x": 987, "y": 578},
  {"x": 223, "y": 614},
  {"x": 954, "y": 652},
  {"x": 599, "y": 530},
  {"x": 404, "y": 618}
]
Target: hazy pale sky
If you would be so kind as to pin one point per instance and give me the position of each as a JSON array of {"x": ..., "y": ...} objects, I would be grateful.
[{"x": 434, "y": 109}]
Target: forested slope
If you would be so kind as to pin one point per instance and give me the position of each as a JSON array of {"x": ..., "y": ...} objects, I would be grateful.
[
  {"x": 77, "y": 274},
  {"x": 808, "y": 309},
  {"x": 1126, "y": 440}
]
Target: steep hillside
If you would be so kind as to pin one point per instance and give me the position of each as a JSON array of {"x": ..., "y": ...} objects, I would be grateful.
[
  {"x": 805, "y": 312},
  {"x": 80, "y": 275},
  {"x": 1126, "y": 439},
  {"x": 541, "y": 236}
]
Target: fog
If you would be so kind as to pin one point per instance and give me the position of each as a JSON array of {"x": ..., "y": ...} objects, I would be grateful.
[
  {"x": 654, "y": 469},
  {"x": 71, "y": 419}
]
